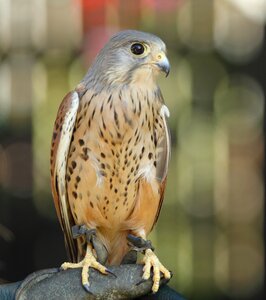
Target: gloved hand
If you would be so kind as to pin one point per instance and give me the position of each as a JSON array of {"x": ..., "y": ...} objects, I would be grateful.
[
  {"x": 127, "y": 283},
  {"x": 54, "y": 284}
]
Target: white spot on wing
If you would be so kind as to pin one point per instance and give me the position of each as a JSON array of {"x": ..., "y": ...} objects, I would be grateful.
[
  {"x": 164, "y": 111},
  {"x": 147, "y": 172}
]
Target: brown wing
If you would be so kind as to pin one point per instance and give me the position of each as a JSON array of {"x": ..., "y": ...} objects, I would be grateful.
[
  {"x": 62, "y": 134},
  {"x": 163, "y": 157}
]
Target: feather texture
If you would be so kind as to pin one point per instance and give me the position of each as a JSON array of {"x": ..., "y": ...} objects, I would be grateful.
[
  {"x": 63, "y": 130},
  {"x": 111, "y": 147}
]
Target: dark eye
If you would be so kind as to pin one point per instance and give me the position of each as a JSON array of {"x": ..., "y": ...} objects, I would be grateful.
[{"x": 137, "y": 49}]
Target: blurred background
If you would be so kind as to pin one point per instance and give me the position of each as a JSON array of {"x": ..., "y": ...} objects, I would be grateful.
[{"x": 210, "y": 232}]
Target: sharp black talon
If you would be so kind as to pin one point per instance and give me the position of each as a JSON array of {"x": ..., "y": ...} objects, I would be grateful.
[
  {"x": 140, "y": 282},
  {"x": 164, "y": 280},
  {"x": 162, "y": 275},
  {"x": 171, "y": 273},
  {"x": 87, "y": 288},
  {"x": 110, "y": 272}
]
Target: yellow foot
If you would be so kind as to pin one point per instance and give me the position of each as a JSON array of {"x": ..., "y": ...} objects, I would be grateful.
[
  {"x": 150, "y": 260},
  {"x": 89, "y": 261}
]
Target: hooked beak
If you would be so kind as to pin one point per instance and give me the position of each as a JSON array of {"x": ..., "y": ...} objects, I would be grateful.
[{"x": 163, "y": 63}]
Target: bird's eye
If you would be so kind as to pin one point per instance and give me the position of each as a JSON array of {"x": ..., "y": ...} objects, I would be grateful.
[{"x": 137, "y": 48}]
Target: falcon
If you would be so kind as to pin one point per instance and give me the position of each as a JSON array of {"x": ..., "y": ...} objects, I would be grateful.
[{"x": 110, "y": 152}]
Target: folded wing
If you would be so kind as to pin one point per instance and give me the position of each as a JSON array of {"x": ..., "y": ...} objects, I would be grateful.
[{"x": 62, "y": 135}]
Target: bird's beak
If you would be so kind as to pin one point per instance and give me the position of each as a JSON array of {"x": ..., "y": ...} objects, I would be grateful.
[{"x": 163, "y": 63}]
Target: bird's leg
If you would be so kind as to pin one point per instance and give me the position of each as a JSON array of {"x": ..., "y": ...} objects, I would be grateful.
[
  {"x": 150, "y": 261},
  {"x": 89, "y": 260}
]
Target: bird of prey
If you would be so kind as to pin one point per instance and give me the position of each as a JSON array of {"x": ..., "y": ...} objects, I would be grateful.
[{"x": 110, "y": 153}]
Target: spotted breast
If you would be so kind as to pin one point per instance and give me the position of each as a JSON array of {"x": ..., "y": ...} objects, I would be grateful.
[{"x": 115, "y": 145}]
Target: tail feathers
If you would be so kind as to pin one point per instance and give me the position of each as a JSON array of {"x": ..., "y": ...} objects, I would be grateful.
[{"x": 116, "y": 246}]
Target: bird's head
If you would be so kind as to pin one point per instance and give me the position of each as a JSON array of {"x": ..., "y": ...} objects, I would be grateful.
[{"x": 130, "y": 56}]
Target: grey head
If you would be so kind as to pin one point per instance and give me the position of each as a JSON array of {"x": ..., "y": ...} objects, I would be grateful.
[{"x": 130, "y": 56}]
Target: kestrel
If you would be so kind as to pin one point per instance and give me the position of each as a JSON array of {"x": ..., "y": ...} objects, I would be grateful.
[{"x": 110, "y": 153}]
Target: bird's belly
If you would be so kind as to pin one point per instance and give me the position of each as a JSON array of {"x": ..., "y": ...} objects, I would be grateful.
[
  {"x": 116, "y": 184},
  {"x": 109, "y": 161}
]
